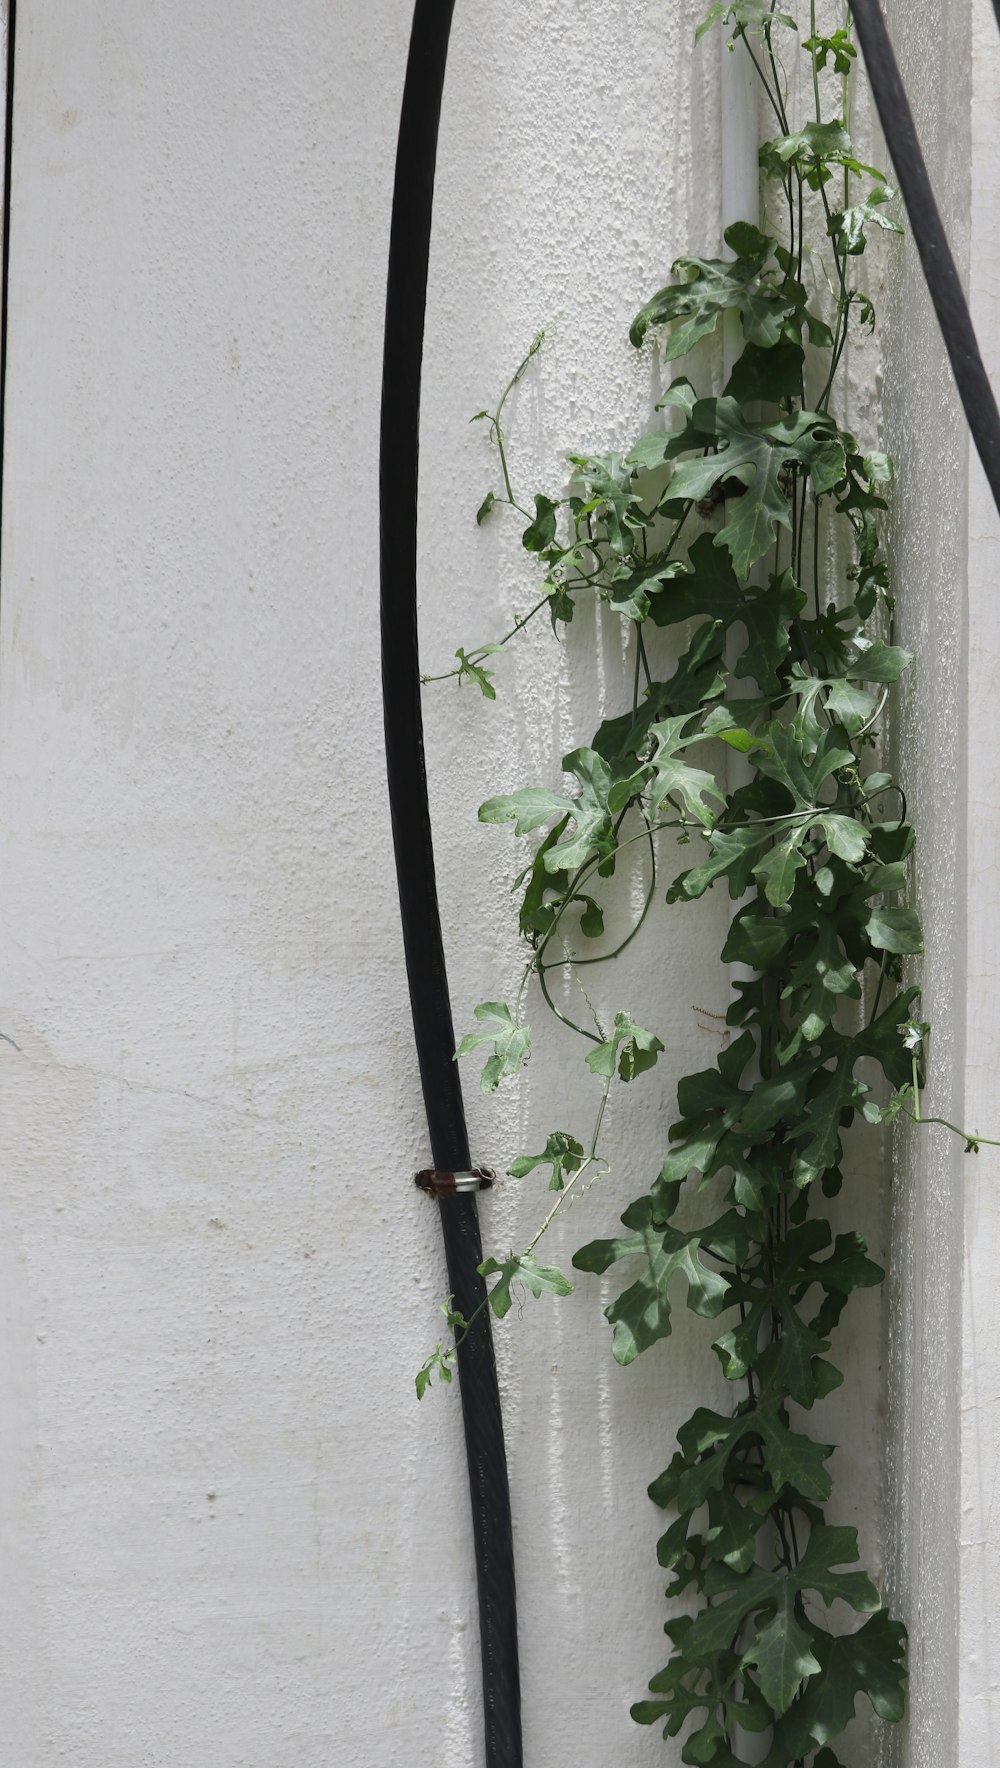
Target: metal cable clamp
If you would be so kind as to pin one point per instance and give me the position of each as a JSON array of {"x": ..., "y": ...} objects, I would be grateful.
[{"x": 441, "y": 1184}]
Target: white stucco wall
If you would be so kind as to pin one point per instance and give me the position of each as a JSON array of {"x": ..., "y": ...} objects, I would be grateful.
[
  {"x": 228, "y": 1536},
  {"x": 943, "y": 1437},
  {"x": 980, "y": 1442},
  {"x": 925, "y": 433}
]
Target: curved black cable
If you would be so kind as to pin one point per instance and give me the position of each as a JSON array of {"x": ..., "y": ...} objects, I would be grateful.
[
  {"x": 425, "y": 963},
  {"x": 940, "y": 270}
]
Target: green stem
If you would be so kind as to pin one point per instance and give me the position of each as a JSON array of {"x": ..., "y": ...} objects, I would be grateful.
[
  {"x": 775, "y": 75},
  {"x": 843, "y": 307},
  {"x": 591, "y": 1157},
  {"x": 564, "y": 1019},
  {"x": 845, "y": 101},
  {"x": 774, "y": 102},
  {"x": 814, "y": 59},
  {"x": 972, "y": 1139},
  {"x": 482, "y": 652},
  {"x": 606, "y": 957}
]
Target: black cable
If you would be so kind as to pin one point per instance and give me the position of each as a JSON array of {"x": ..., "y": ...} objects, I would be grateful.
[
  {"x": 425, "y": 962},
  {"x": 940, "y": 270},
  {"x": 8, "y": 154}
]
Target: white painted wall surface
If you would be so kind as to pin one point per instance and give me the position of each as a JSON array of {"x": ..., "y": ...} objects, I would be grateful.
[
  {"x": 228, "y": 1536},
  {"x": 944, "y": 1433},
  {"x": 979, "y": 1737},
  {"x": 230, "y": 1539},
  {"x": 925, "y": 432}
]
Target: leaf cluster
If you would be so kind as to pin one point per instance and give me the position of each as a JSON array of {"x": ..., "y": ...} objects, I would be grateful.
[{"x": 713, "y": 523}]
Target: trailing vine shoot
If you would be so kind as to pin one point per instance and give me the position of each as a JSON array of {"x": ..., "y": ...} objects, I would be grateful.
[{"x": 722, "y": 521}]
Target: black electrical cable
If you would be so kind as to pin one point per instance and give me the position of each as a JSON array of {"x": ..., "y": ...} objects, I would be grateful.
[
  {"x": 425, "y": 963},
  {"x": 940, "y": 269}
]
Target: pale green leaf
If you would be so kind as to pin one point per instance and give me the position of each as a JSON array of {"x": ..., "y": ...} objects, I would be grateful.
[{"x": 895, "y": 930}]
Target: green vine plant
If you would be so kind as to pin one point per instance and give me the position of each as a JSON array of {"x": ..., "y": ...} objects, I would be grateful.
[{"x": 718, "y": 519}]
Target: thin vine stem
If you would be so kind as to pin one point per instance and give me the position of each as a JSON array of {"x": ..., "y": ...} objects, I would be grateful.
[
  {"x": 496, "y": 426},
  {"x": 972, "y": 1139},
  {"x": 814, "y": 62}
]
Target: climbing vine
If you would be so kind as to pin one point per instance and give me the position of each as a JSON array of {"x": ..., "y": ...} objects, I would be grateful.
[{"x": 723, "y": 519}]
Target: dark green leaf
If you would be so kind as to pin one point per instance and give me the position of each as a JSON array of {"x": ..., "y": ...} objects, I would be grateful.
[
  {"x": 632, "y": 586},
  {"x": 699, "y": 677},
  {"x": 866, "y": 1662},
  {"x": 615, "y": 504},
  {"x": 589, "y": 812},
  {"x": 812, "y": 150},
  {"x": 829, "y": 1547},
  {"x": 641, "y": 1315},
  {"x": 755, "y": 455},
  {"x": 708, "y": 1440},
  {"x": 716, "y": 1626},
  {"x": 733, "y": 1528},
  {"x": 592, "y": 919},
  {"x": 542, "y": 531},
  {"x": 691, "y": 785},
  {"x": 469, "y": 670},
  {"x": 838, "y": 45},
  {"x": 771, "y": 374},
  {"x": 536, "y": 913},
  {"x": 793, "y": 1460},
  {"x": 733, "y": 854},
  {"x": 713, "y": 286},
  {"x": 799, "y": 766},
  {"x": 849, "y": 226},
  {"x": 819, "y": 1133},
  {"x": 781, "y": 1653},
  {"x": 776, "y": 871}
]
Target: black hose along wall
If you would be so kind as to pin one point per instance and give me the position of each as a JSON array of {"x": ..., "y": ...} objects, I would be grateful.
[
  {"x": 428, "y": 982},
  {"x": 940, "y": 269}
]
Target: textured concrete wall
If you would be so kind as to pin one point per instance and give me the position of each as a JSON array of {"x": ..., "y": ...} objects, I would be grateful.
[
  {"x": 944, "y": 1436},
  {"x": 228, "y": 1536},
  {"x": 925, "y": 432},
  {"x": 979, "y": 1534}
]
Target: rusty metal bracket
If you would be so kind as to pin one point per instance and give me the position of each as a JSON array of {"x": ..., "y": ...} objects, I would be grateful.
[{"x": 439, "y": 1184}]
